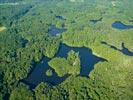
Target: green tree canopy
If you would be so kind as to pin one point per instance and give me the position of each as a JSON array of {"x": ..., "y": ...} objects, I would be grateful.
[{"x": 21, "y": 92}]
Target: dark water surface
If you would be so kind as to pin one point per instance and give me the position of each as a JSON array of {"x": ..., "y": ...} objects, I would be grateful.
[
  {"x": 54, "y": 31},
  {"x": 119, "y": 25},
  {"x": 23, "y": 42},
  {"x": 60, "y": 17},
  {"x": 94, "y": 21},
  {"x": 39, "y": 74},
  {"x": 124, "y": 50},
  {"x": 88, "y": 60}
]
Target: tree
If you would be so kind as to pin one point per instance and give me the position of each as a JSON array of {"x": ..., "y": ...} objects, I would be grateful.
[
  {"x": 63, "y": 66},
  {"x": 21, "y": 92},
  {"x": 49, "y": 72},
  {"x": 73, "y": 58},
  {"x": 45, "y": 92}
]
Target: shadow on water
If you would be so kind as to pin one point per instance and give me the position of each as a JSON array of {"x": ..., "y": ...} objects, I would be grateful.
[
  {"x": 124, "y": 50},
  {"x": 38, "y": 73},
  {"x": 119, "y": 25}
]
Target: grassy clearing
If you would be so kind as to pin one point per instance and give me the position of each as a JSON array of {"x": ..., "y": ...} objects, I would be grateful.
[{"x": 2, "y": 28}]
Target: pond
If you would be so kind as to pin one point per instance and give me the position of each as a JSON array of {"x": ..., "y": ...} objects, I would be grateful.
[
  {"x": 94, "y": 21},
  {"x": 23, "y": 42},
  {"x": 87, "y": 58},
  {"x": 60, "y": 17},
  {"x": 54, "y": 31},
  {"x": 119, "y": 25},
  {"x": 38, "y": 74},
  {"x": 124, "y": 50}
]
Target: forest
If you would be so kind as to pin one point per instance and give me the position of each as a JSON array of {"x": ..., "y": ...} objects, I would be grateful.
[{"x": 46, "y": 45}]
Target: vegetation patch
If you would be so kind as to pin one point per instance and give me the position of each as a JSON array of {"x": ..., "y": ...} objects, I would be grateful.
[
  {"x": 88, "y": 23},
  {"x": 49, "y": 72},
  {"x": 2, "y": 28},
  {"x": 63, "y": 66}
]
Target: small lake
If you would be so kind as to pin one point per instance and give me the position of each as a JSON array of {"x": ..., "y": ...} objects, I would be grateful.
[
  {"x": 88, "y": 60},
  {"x": 125, "y": 50},
  {"x": 54, "y": 31},
  {"x": 38, "y": 74},
  {"x": 119, "y": 25}
]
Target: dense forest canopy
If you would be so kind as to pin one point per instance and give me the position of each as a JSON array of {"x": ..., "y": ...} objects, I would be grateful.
[{"x": 102, "y": 26}]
